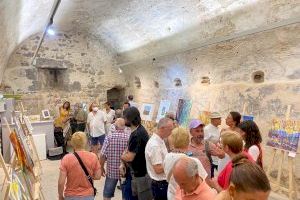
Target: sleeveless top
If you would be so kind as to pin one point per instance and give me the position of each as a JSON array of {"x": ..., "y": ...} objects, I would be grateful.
[{"x": 259, "y": 160}]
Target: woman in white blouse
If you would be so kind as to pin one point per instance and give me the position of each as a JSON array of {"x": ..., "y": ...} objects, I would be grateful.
[{"x": 252, "y": 138}]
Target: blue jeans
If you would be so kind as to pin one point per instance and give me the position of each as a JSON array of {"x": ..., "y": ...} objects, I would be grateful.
[
  {"x": 159, "y": 190},
  {"x": 109, "y": 187},
  {"x": 126, "y": 188},
  {"x": 80, "y": 198},
  {"x": 96, "y": 140}
]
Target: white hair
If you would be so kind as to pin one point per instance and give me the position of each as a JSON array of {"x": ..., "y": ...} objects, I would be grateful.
[{"x": 163, "y": 122}]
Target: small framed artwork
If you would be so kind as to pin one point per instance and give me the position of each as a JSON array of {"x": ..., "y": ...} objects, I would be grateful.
[
  {"x": 46, "y": 114},
  {"x": 164, "y": 107},
  {"x": 147, "y": 111}
]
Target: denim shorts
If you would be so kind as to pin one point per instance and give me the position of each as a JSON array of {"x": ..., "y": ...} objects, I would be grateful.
[
  {"x": 97, "y": 140},
  {"x": 109, "y": 187},
  {"x": 80, "y": 198}
]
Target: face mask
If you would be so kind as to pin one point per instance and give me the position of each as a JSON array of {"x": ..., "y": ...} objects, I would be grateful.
[{"x": 95, "y": 109}]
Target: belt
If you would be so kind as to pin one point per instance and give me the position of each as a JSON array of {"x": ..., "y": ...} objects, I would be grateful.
[{"x": 159, "y": 182}]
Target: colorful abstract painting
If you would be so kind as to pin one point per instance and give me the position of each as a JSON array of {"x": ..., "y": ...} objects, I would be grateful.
[
  {"x": 284, "y": 134},
  {"x": 205, "y": 117},
  {"x": 164, "y": 107},
  {"x": 183, "y": 112}
]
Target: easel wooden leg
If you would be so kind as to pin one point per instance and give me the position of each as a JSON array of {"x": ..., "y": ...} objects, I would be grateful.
[
  {"x": 6, "y": 192},
  {"x": 292, "y": 188},
  {"x": 272, "y": 162},
  {"x": 279, "y": 170}
]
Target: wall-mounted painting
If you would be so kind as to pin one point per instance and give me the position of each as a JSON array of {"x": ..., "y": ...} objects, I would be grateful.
[
  {"x": 46, "y": 114},
  {"x": 147, "y": 111},
  {"x": 284, "y": 134},
  {"x": 183, "y": 112},
  {"x": 164, "y": 107},
  {"x": 205, "y": 117},
  {"x": 247, "y": 118}
]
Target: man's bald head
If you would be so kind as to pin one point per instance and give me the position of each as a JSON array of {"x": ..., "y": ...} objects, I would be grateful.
[
  {"x": 120, "y": 123},
  {"x": 186, "y": 166},
  {"x": 185, "y": 173}
]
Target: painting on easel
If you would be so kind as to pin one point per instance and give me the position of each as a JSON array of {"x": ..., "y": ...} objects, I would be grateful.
[
  {"x": 183, "y": 112},
  {"x": 24, "y": 159},
  {"x": 284, "y": 134}
]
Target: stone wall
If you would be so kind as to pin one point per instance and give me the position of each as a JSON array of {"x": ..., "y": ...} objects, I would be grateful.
[
  {"x": 70, "y": 66},
  {"x": 229, "y": 67}
]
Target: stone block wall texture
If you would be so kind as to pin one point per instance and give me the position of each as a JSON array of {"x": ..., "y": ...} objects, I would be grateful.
[
  {"x": 229, "y": 65},
  {"x": 70, "y": 66}
]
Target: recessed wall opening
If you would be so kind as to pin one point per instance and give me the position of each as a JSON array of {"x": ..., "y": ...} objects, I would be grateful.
[
  {"x": 177, "y": 82},
  {"x": 137, "y": 82},
  {"x": 258, "y": 77},
  {"x": 116, "y": 96}
]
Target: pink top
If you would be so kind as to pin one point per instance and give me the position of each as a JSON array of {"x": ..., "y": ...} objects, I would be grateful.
[
  {"x": 199, "y": 152},
  {"x": 224, "y": 176},
  {"x": 77, "y": 183},
  {"x": 203, "y": 192}
]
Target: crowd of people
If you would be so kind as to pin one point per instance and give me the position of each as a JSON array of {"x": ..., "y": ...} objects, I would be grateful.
[{"x": 175, "y": 163}]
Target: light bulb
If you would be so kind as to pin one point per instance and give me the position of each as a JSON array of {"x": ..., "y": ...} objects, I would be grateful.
[
  {"x": 50, "y": 31},
  {"x": 120, "y": 70}
]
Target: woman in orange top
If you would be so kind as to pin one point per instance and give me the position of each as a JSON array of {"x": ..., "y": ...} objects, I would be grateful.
[
  {"x": 73, "y": 183},
  {"x": 60, "y": 123}
]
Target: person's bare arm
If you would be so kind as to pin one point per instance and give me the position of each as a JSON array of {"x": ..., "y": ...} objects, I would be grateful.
[
  {"x": 61, "y": 184},
  {"x": 98, "y": 174},
  {"x": 128, "y": 156},
  {"x": 216, "y": 151},
  {"x": 159, "y": 169},
  {"x": 102, "y": 162},
  {"x": 213, "y": 183}
]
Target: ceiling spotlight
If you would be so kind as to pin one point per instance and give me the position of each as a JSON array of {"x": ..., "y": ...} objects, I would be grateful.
[
  {"x": 120, "y": 70},
  {"x": 50, "y": 31}
]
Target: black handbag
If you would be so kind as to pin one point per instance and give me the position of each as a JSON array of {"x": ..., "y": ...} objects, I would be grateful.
[{"x": 86, "y": 172}]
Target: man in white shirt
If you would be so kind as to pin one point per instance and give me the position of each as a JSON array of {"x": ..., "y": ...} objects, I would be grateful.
[
  {"x": 155, "y": 153},
  {"x": 96, "y": 125},
  {"x": 110, "y": 116},
  {"x": 131, "y": 102},
  {"x": 212, "y": 134}
]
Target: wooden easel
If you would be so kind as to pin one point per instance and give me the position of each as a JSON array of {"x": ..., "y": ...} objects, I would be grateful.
[
  {"x": 276, "y": 184},
  {"x": 5, "y": 187},
  {"x": 36, "y": 193}
]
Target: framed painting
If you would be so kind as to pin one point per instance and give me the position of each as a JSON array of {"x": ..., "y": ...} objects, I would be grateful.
[
  {"x": 284, "y": 134},
  {"x": 147, "y": 111},
  {"x": 164, "y": 107},
  {"x": 183, "y": 112}
]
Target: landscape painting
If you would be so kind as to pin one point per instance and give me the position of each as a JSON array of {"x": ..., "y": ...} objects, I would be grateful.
[{"x": 147, "y": 111}]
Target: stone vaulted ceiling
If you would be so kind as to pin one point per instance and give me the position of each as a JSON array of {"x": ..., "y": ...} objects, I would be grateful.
[{"x": 138, "y": 29}]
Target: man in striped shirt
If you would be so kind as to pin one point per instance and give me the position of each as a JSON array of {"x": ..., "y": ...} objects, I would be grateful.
[{"x": 113, "y": 147}]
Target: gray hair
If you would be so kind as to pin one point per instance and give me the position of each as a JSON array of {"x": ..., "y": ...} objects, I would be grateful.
[
  {"x": 163, "y": 122},
  {"x": 118, "y": 113},
  {"x": 191, "y": 168}
]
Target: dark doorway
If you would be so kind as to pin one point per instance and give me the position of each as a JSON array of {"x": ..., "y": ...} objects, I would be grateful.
[{"x": 116, "y": 96}]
